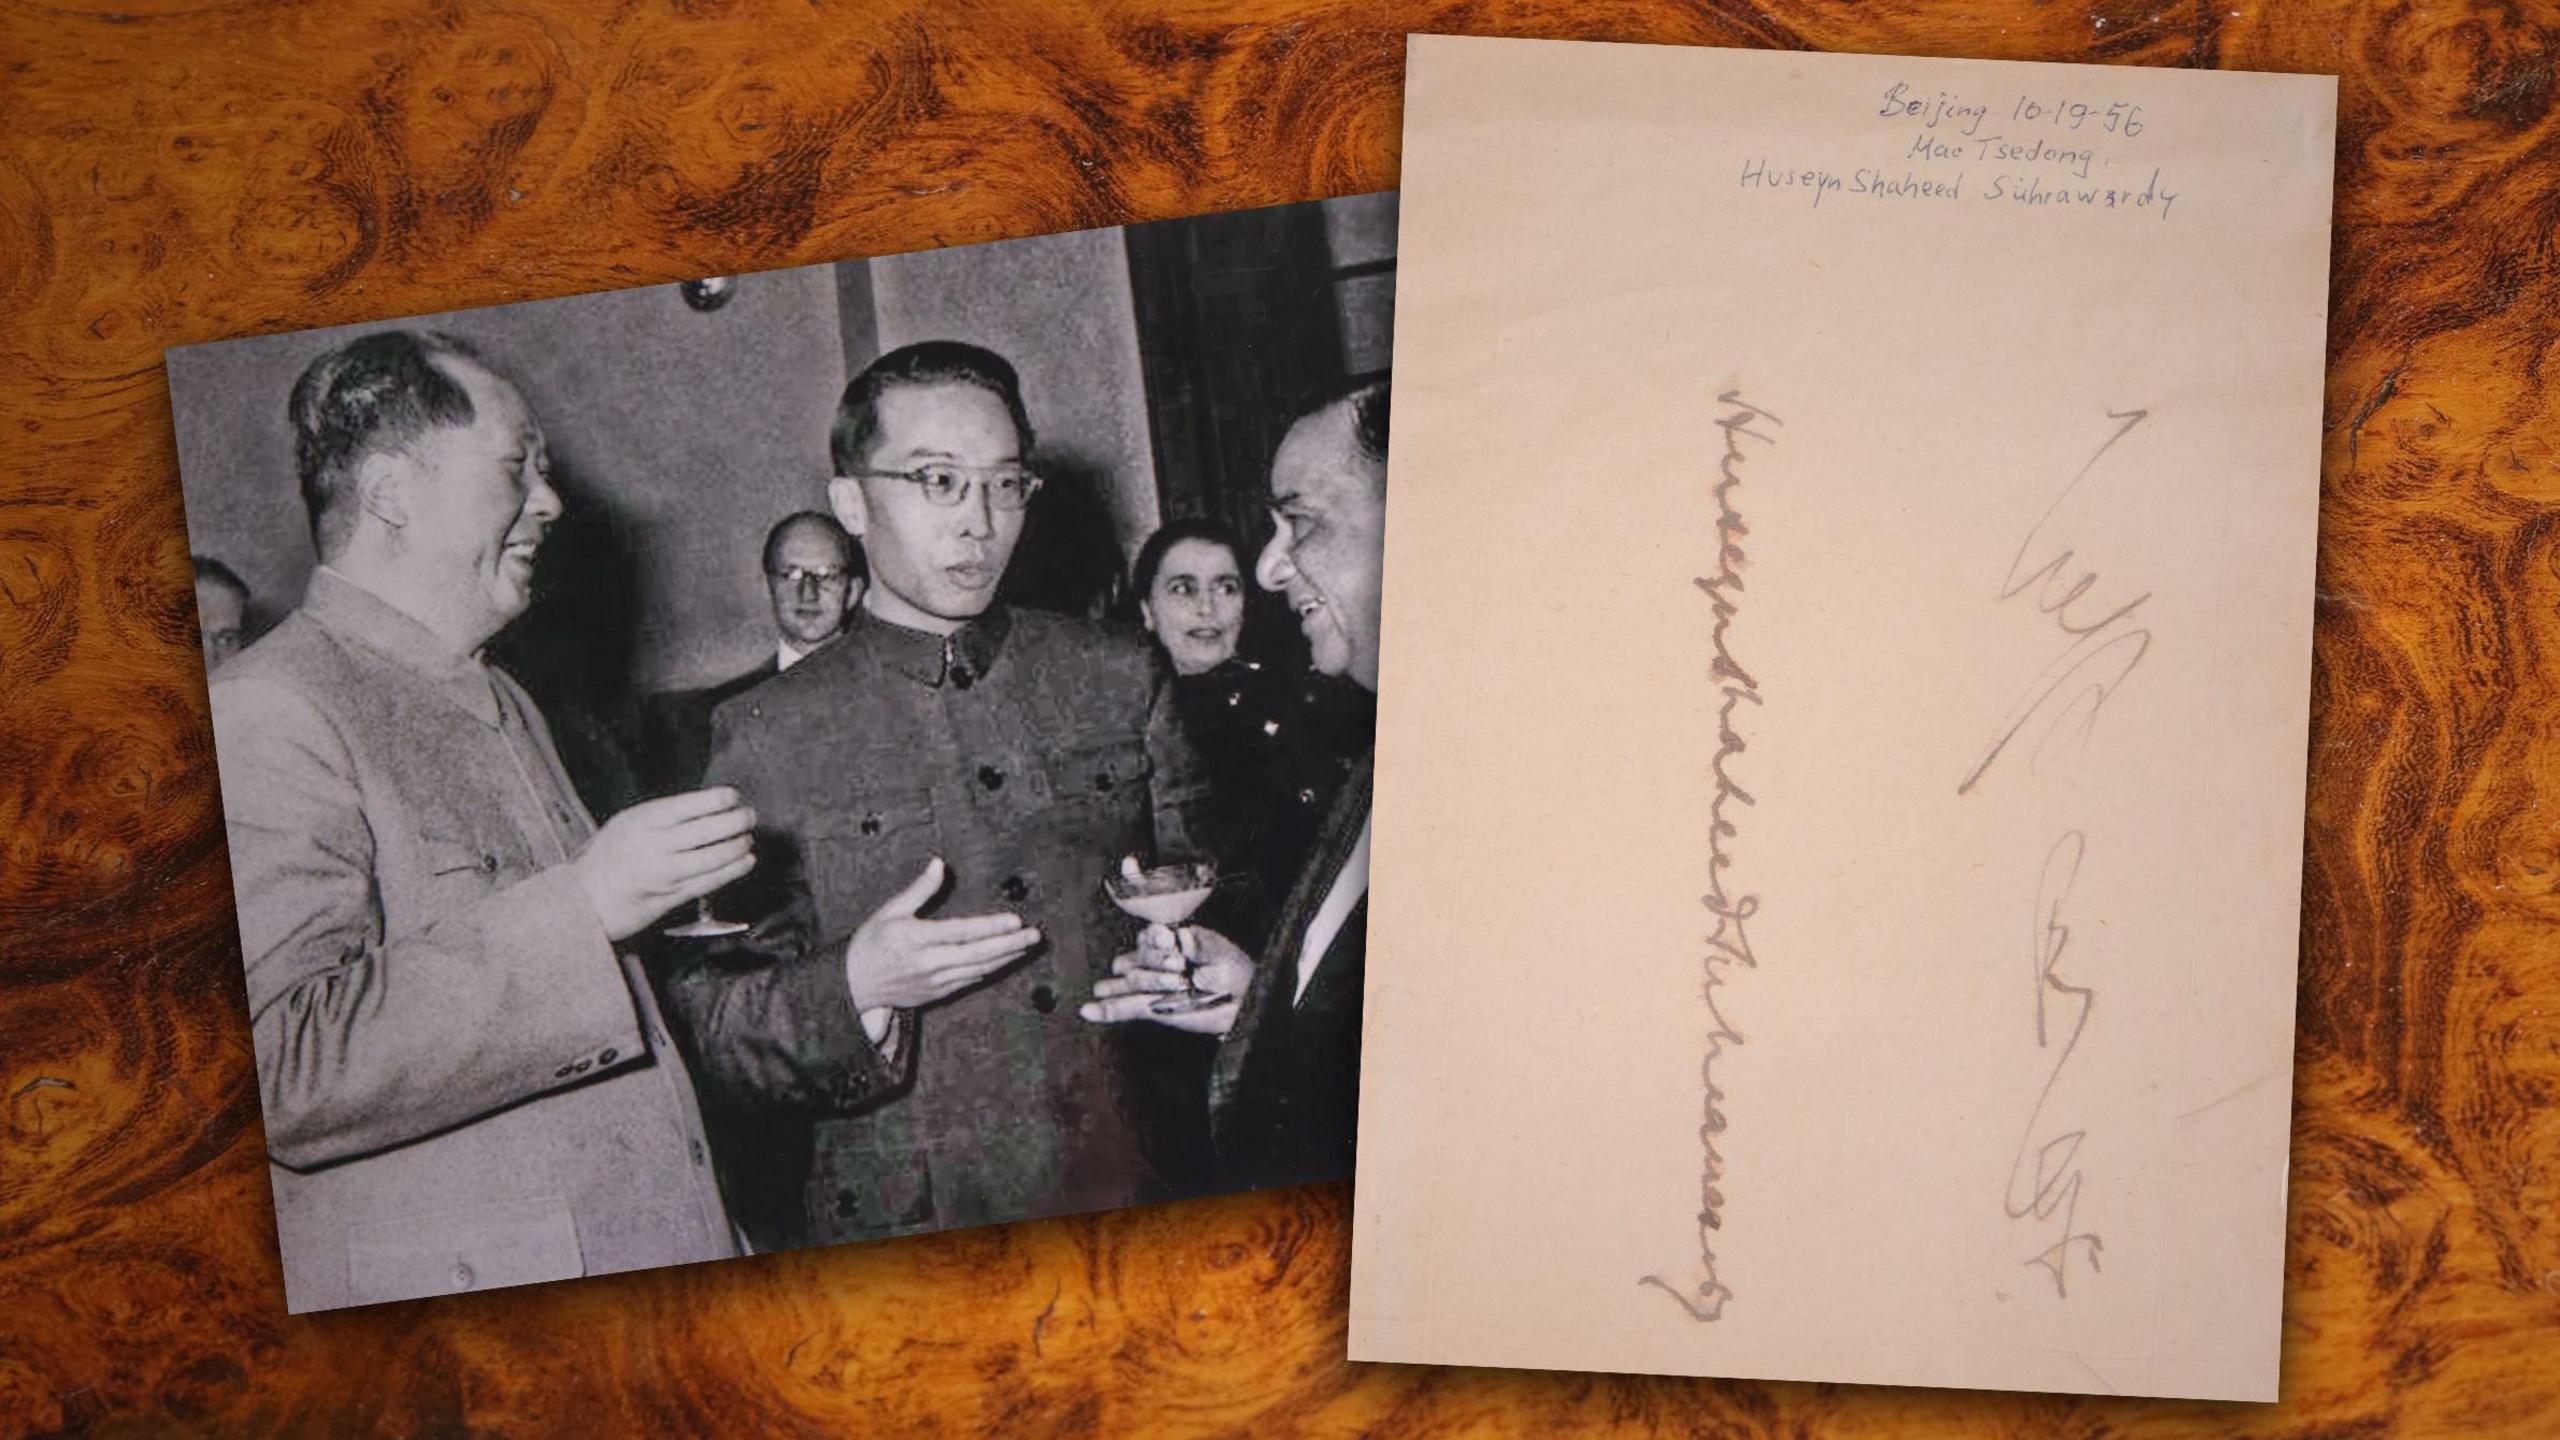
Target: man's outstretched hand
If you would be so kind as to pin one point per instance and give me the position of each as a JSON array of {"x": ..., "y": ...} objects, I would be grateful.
[{"x": 899, "y": 960}]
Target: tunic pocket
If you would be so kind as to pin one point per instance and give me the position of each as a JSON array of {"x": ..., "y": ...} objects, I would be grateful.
[
  {"x": 1101, "y": 796},
  {"x": 1109, "y": 773},
  {"x": 451, "y": 859},
  {"x": 478, "y": 1247},
  {"x": 451, "y": 870},
  {"x": 861, "y": 855}
]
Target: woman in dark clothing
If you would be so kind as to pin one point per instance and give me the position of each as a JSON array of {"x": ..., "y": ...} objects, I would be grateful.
[
  {"x": 1189, "y": 581},
  {"x": 1276, "y": 744},
  {"x": 1276, "y": 747}
]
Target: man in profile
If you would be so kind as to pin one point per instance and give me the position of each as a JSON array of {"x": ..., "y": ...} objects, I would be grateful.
[
  {"x": 222, "y": 611},
  {"x": 954, "y": 754},
  {"x": 1284, "y": 1096},
  {"x": 813, "y": 572},
  {"x": 465, "y": 1084}
]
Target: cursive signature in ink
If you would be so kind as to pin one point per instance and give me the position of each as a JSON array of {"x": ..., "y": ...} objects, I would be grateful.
[
  {"x": 2049, "y": 1183},
  {"x": 2065, "y": 698},
  {"x": 1728, "y": 944}
]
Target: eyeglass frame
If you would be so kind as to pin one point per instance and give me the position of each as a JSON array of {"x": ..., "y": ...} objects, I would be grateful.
[
  {"x": 797, "y": 575},
  {"x": 984, "y": 475}
]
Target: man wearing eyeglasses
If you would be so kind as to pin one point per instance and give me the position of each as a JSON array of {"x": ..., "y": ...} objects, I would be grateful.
[
  {"x": 812, "y": 572},
  {"x": 952, "y": 778}
]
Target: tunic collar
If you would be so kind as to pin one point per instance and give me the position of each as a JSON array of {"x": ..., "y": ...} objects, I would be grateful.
[
  {"x": 960, "y": 659},
  {"x": 347, "y": 610}
]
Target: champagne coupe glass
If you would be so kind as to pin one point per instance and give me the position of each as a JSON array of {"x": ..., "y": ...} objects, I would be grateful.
[{"x": 1168, "y": 895}]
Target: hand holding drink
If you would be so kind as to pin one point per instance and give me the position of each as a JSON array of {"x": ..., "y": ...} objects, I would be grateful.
[
  {"x": 1181, "y": 976},
  {"x": 1166, "y": 896}
]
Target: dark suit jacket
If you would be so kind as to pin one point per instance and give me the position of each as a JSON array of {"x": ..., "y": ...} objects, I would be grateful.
[
  {"x": 1284, "y": 1097},
  {"x": 679, "y": 728}
]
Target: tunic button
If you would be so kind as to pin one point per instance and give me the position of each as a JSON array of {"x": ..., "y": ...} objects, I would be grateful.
[
  {"x": 488, "y": 864},
  {"x": 462, "y": 1276},
  {"x": 870, "y": 824},
  {"x": 844, "y": 1205},
  {"x": 1102, "y": 782},
  {"x": 695, "y": 1146},
  {"x": 991, "y": 777},
  {"x": 1306, "y": 797},
  {"x": 961, "y": 678},
  {"x": 1014, "y": 888},
  {"x": 1043, "y": 999}
]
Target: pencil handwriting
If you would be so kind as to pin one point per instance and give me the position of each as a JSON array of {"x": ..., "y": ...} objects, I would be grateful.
[
  {"x": 2044, "y": 1177},
  {"x": 2106, "y": 645},
  {"x": 1704, "y": 1294}
]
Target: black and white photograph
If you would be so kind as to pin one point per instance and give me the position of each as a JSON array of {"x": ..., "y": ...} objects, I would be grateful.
[{"x": 804, "y": 757}]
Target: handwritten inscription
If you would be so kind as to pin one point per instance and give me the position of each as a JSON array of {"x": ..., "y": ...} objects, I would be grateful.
[
  {"x": 2057, "y": 112},
  {"x": 2103, "y": 644},
  {"x": 1704, "y": 1293},
  {"x": 2034, "y": 151},
  {"x": 2075, "y": 158},
  {"x": 2045, "y": 1177},
  {"x": 2103, "y": 650}
]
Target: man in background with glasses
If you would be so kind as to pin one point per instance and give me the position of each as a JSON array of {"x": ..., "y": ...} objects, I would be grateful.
[
  {"x": 813, "y": 572},
  {"x": 896, "y": 1048}
]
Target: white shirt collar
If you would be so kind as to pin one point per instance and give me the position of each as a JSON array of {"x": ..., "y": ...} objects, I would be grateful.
[{"x": 1349, "y": 884}]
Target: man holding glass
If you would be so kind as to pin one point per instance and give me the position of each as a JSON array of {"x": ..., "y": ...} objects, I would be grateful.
[
  {"x": 896, "y": 1048},
  {"x": 1284, "y": 1098},
  {"x": 466, "y": 1080}
]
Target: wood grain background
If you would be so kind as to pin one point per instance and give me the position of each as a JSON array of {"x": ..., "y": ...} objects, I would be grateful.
[{"x": 174, "y": 171}]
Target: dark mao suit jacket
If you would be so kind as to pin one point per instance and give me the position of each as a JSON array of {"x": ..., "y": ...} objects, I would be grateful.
[{"x": 1030, "y": 751}]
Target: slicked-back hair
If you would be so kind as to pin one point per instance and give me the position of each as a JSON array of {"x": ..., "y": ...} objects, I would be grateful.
[
  {"x": 1142, "y": 571},
  {"x": 856, "y": 566},
  {"x": 927, "y": 362},
  {"x": 1369, "y": 423},
  {"x": 1366, "y": 404},
  {"x": 208, "y": 568},
  {"x": 374, "y": 393}
]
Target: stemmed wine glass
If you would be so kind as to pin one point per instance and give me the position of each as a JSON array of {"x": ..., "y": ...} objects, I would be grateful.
[
  {"x": 704, "y": 925},
  {"x": 1168, "y": 895}
]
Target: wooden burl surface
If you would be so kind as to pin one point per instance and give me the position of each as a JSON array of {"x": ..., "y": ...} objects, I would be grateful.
[{"x": 173, "y": 171}]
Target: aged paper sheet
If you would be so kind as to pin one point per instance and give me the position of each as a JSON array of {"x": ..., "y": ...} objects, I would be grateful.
[{"x": 1840, "y": 766}]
